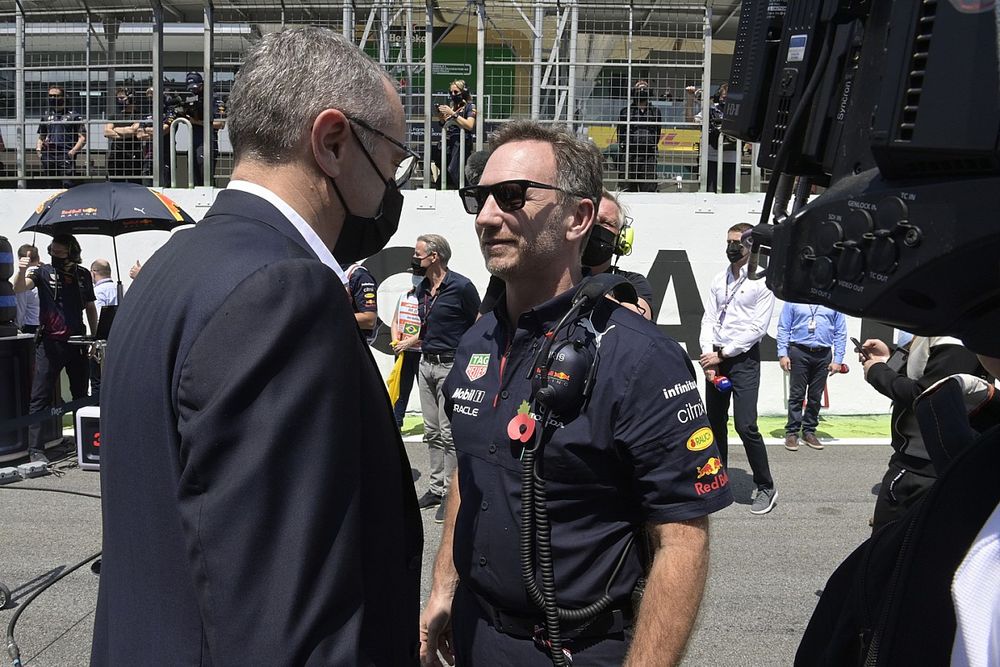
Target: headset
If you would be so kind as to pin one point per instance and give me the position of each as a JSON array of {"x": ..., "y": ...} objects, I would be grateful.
[{"x": 626, "y": 239}]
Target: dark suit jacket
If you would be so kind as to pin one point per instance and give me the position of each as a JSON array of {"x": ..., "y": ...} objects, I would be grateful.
[{"x": 258, "y": 503}]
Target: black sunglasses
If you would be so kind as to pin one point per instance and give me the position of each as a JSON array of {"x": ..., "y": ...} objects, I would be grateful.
[
  {"x": 405, "y": 168},
  {"x": 509, "y": 195}
]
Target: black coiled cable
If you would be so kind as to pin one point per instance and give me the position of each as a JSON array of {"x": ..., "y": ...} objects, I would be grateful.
[{"x": 535, "y": 542}]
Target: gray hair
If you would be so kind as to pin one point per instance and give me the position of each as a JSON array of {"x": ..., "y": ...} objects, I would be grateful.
[
  {"x": 290, "y": 77},
  {"x": 437, "y": 243},
  {"x": 613, "y": 198},
  {"x": 579, "y": 164}
]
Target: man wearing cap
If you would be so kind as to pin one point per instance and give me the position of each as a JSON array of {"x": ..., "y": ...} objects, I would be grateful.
[{"x": 194, "y": 111}]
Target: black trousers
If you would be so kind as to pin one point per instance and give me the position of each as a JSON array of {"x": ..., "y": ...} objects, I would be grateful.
[
  {"x": 809, "y": 373},
  {"x": 743, "y": 371},
  {"x": 903, "y": 483},
  {"x": 51, "y": 356}
]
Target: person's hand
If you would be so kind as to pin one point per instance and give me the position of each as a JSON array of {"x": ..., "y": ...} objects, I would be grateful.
[
  {"x": 22, "y": 264},
  {"x": 405, "y": 344},
  {"x": 710, "y": 359},
  {"x": 868, "y": 363},
  {"x": 444, "y": 110},
  {"x": 786, "y": 364},
  {"x": 435, "y": 633},
  {"x": 834, "y": 368},
  {"x": 876, "y": 349},
  {"x": 710, "y": 373},
  {"x": 134, "y": 271},
  {"x": 71, "y": 154}
]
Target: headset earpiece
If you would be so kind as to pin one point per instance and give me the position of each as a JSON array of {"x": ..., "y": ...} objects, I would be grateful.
[{"x": 626, "y": 239}]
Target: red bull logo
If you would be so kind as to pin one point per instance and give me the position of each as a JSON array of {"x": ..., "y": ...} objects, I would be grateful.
[
  {"x": 711, "y": 467},
  {"x": 559, "y": 375},
  {"x": 719, "y": 481}
]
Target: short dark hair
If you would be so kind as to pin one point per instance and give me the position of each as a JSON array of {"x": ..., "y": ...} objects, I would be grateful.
[
  {"x": 29, "y": 251},
  {"x": 579, "y": 164},
  {"x": 741, "y": 227}
]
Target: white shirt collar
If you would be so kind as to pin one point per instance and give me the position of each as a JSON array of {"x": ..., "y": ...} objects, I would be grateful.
[{"x": 307, "y": 232}]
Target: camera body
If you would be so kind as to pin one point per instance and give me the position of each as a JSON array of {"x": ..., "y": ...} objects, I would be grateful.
[{"x": 898, "y": 115}]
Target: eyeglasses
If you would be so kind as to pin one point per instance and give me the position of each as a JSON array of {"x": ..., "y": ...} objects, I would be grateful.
[
  {"x": 509, "y": 195},
  {"x": 405, "y": 167}
]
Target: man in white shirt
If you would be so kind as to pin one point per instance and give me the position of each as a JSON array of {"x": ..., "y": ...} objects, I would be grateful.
[
  {"x": 737, "y": 312},
  {"x": 104, "y": 286}
]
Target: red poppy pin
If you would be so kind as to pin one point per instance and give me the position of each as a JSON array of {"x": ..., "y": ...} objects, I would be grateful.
[{"x": 522, "y": 426}]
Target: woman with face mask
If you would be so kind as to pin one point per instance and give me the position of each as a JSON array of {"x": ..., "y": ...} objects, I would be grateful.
[
  {"x": 124, "y": 145},
  {"x": 457, "y": 117}
]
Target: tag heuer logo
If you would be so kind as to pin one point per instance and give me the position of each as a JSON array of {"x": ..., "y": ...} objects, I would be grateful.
[{"x": 477, "y": 366}]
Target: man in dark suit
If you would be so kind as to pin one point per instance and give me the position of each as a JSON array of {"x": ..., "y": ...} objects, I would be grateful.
[{"x": 258, "y": 505}]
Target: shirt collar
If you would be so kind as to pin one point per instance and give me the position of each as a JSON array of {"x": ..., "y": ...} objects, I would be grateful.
[
  {"x": 543, "y": 316},
  {"x": 102, "y": 281},
  {"x": 303, "y": 227}
]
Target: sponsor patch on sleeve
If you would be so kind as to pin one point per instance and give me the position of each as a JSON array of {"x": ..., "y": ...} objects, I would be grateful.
[{"x": 700, "y": 439}]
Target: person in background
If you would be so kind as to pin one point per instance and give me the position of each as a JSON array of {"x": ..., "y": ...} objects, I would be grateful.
[
  {"x": 61, "y": 137},
  {"x": 693, "y": 114},
  {"x": 737, "y": 312},
  {"x": 604, "y": 246},
  {"x": 639, "y": 127},
  {"x": 27, "y": 301},
  {"x": 106, "y": 294},
  {"x": 811, "y": 344},
  {"x": 363, "y": 290},
  {"x": 911, "y": 471},
  {"x": 124, "y": 135},
  {"x": 405, "y": 325},
  {"x": 457, "y": 117},
  {"x": 449, "y": 305},
  {"x": 65, "y": 293}
]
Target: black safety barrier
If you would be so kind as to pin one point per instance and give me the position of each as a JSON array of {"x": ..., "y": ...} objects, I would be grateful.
[{"x": 43, "y": 415}]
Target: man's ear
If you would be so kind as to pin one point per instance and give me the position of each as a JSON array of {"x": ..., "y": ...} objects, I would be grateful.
[
  {"x": 328, "y": 138},
  {"x": 581, "y": 221}
]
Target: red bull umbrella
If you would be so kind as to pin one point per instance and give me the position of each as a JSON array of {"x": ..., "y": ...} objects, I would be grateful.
[{"x": 107, "y": 208}]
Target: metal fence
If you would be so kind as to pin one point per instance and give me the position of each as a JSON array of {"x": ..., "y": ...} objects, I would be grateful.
[{"x": 130, "y": 80}]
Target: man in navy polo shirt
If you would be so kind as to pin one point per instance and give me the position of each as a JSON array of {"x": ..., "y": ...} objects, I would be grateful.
[
  {"x": 449, "y": 304},
  {"x": 628, "y": 477},
  {"x": 363, "y": 290},
  {"x": 65, "y": 293}
]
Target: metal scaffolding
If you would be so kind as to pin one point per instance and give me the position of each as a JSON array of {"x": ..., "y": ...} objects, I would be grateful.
[{"x": 127, "y": 73}]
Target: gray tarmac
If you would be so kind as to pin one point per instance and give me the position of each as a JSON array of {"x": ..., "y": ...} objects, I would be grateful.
[{"x": 764, "y": 571}]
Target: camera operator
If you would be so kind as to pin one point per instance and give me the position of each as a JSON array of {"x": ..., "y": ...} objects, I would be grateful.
[
  {"x": 193, "y": 109},
  {"x": 692, "y": 96},
  {"x": 61, "y": 136},
  {"x": 638, "y": 130}
]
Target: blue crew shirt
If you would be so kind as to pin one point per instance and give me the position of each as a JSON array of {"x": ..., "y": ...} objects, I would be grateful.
[{"x": 830, "y": 329}]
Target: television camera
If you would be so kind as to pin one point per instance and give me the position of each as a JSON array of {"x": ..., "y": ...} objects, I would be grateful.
[{"x": 892, "y": 106}]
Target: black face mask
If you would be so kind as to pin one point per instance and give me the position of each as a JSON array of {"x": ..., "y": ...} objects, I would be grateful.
[
  {"x": 362, "y": 237},
  {"x": 642, "y": 94},
  {"x": 734, "y": 251},
  {"x": 57, "y": 102},
  {"x": 600, "y": 246},
  {"x": 457, "y": 99},
  {"x": 415, "y": 265}
]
